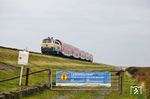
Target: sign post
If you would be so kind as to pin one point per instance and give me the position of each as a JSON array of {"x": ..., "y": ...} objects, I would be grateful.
[
  {"x": 22, "y": 60},
  {"x": 21, "y": 72}
]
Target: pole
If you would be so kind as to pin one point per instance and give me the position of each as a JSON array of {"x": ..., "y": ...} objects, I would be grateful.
[
  {"x": 27, "y": 76},
  {"x": 49, "y": 78},
  {"x": 21, "y": 72},
  {"x": 121, "y": 82}
]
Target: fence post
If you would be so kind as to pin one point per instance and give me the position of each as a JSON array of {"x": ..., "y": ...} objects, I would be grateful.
[
  {"x": 121, "y": 81},
  {"x": 27, "y": 76},
  {"x": 49, "y": 78}
]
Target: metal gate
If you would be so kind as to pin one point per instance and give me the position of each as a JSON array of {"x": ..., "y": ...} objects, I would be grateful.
[{"x": 116, "y": 81}]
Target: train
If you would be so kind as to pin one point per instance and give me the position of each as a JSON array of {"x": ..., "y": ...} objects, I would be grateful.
[{"x": 51, "y": 46}]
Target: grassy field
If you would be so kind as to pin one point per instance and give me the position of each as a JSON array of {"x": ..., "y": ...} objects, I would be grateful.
[
  {"x": 141, "y": 75},
  {"x": 9, "y": 68}
]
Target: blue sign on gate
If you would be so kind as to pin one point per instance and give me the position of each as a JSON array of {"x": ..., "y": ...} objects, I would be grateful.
[{"x": 83, "y": 78}]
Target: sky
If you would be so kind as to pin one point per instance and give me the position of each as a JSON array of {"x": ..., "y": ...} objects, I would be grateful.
[{"x": 116, "y": 32}]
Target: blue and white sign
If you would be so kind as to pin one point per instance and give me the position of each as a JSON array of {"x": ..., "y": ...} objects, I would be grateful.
[{"x": 83, "y": 78}]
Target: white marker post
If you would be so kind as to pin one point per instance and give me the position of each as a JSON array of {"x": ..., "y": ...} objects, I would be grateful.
[{"x": 22, "y": 60}]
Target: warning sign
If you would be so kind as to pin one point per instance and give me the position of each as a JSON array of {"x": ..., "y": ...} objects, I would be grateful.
[
  {"x": 93, "y": 79},
  {"x": 23, "y": 57}
]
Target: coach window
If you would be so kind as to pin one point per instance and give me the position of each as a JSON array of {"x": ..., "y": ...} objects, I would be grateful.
[{"x": 56, "y": 42}]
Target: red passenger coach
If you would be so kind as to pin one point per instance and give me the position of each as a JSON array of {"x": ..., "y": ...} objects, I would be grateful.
[
  {"x": 66, "y": 49},
  {"x": 52, "y": 46}
]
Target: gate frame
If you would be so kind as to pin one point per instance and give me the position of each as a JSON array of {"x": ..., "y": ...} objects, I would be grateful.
[{"x": 119, "y": 73}]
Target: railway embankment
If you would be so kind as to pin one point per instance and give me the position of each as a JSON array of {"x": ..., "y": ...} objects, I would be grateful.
[{"x": 9, "y": 68}]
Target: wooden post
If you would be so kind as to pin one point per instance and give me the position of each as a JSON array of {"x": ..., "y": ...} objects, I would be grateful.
[
  {"x": 121, "y": 81},
  {"x": 27, "y": 76},
  {"x": 49, "y": 78}
]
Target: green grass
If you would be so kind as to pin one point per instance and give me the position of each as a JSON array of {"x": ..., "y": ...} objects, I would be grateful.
[
  {"x": 141, "y": 75},
  {"x": 49, "y": 94},
  {"x": 39, "y": 62},
  {"x": 128, "y": 81}
]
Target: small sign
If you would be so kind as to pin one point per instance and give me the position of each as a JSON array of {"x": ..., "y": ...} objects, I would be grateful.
[
  {"x": 63, "y": 76},
  {"x": 135, "y": 90},
  {"x": 69, "y": 78},
  {"x": 23, "y": 57}
]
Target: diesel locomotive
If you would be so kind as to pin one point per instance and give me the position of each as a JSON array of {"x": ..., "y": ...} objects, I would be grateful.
[{"x": 56, "y": 47}]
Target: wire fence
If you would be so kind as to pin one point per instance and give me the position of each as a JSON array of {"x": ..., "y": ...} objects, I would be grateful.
[
  {"x": 50, "y": 78},
  {"x": 25, "y": 75}
]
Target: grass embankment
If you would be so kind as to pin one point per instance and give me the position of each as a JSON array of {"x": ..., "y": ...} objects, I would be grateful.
[
  {"x": 141, "y": 75},
  {"x": 9, "y": 68},
  {"x": 127, "y": 83},
  {"x": 48, "y": 94}
]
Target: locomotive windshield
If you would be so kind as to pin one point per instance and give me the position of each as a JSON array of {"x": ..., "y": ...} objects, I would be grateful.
[{"x": 46, "y": 41}]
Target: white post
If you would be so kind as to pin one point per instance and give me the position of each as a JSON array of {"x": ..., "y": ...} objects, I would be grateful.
[
  {"x": 22, "y": 60},
  {"x": 21, "y": 72}
]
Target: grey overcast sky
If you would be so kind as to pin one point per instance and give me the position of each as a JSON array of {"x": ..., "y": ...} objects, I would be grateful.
[{"x": 116, "y": 32}]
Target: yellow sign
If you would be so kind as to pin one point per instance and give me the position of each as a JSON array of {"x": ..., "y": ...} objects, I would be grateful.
[{"x": 63, "y": 76}]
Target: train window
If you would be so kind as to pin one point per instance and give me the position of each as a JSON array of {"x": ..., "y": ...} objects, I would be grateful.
[
  {"x": 56, "y": 42},
  {"x": 46, "y": 41}
]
